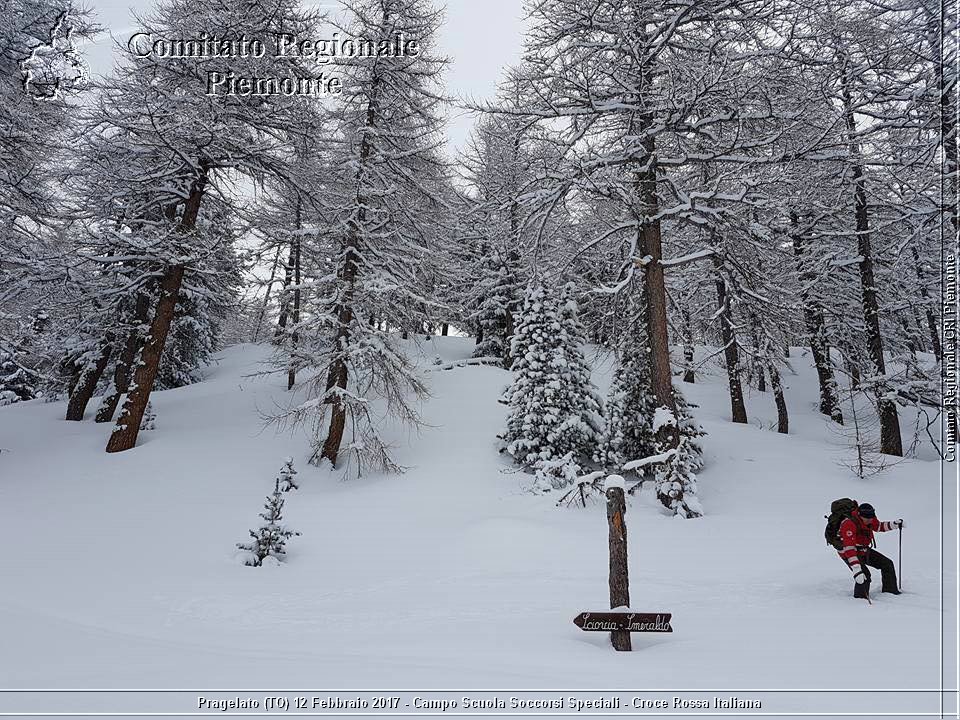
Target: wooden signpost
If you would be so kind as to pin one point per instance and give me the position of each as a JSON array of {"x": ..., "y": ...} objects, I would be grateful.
[
  {"x": 620, "y": 624},
  {"x": 624, "y": 622}
]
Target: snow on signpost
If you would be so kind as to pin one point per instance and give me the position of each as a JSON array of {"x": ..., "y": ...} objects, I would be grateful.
[{"x": 623, "y": 622}]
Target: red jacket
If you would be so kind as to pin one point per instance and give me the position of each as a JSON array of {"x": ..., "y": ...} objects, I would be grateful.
[{"x": 856, "y": 533}]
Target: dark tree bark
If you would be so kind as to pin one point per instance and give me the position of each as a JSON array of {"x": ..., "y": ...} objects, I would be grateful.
[
  {"x": 619, "y": 578},
  {"x": 513, "y": 258},
  {"x": 285, "y": 298},
  {"x": 654, "y": 289},
  {"x": 757, "y": 365},
  {"x": 783, "y": 419},
  {"x": 731, "y": 352},
  {"x": 817, "y": 331},
  {"x": 125, "y": 435},
  {"x": 122, "y": 369},
  {"x": 853, "y": 370},
  {"x": 890, "y": 441},
  {"x": 87, "y": 381},
  {"x": 337, "y": 372},
  {"x": 295, "y": 337},
  {"x": 689, "y": 374}
]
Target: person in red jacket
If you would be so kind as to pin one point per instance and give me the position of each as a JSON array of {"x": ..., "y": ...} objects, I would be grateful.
[{"x": 856, "y": 536}]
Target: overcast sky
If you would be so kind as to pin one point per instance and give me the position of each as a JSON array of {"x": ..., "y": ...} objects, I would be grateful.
[{"x": 481, "y": 37}]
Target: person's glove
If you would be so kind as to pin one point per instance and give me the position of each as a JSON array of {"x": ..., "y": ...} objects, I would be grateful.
[
  {"x": 899, "y": 523},
  {"x": 860, "y": 578}
]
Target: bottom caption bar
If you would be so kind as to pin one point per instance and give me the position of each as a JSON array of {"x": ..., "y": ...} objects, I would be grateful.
[{"x": 552, "y": 703}]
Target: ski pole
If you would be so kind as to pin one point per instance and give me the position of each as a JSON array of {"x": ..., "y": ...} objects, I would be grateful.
[{"x": 900, "y": 561}]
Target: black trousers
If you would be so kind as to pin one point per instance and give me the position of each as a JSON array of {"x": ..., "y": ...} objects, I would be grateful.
[{"x": 870, "y": 558}]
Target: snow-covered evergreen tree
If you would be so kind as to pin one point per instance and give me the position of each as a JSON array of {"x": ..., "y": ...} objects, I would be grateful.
[
  {"x": 270, "y": 539},
  {"x": 285, "y": 479},
  {"x": 16, "y": 381},
  {"x": 494, "y": 318},
  {"x": 676, "y": 480},
  {"x": 629, "y": 410},
  {"x": 555, "y": 411}
]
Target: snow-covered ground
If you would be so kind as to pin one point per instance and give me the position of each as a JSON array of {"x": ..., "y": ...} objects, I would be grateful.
[{"x": 120, "y": 570}]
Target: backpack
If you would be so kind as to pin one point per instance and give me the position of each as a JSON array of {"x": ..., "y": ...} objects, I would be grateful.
[{"x": 839, "y": 511}]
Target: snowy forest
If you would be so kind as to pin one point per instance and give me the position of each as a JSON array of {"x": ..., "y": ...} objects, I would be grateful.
[{"x": 669, "y": 220}]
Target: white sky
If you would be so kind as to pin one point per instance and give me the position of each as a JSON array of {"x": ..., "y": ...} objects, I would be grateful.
[{"x": 482, "y": 37}]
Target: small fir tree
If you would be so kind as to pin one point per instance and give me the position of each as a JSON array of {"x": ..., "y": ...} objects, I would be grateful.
[
  {"x": 285, "y": 479},
  {"x": 270, "y": 539},
  {"x": 676, "y": 479}
]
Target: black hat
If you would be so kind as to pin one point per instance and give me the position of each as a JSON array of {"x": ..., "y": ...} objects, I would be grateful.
[{"x": 866, "y": 511}]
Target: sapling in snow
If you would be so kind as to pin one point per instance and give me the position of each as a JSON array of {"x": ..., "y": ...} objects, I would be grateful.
[
  {"x": 285, "y": 479},
  {"x": 269, "y": 540}
]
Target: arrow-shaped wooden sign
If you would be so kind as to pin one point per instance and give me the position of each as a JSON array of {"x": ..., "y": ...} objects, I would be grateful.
[{"x": 631, "y": 622}]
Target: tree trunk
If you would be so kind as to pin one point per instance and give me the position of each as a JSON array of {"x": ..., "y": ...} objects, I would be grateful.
[
  {"x": 87, "y": 382},
  {"x": 890, "y": 440},
  {"x": 337, "y": 376},
  {"x": 619, "y": 578},
  {"x": 655, "y": 295},
  {"x": 266, "y": 295},
  {"x": 731, "y": 352},
  {"x": 783, "y": 420},
  {"x": 295, "y": 337},
  {"x": 507, "y": 335},
  {"x": 689, "y": 374},
  {"x": 928, "y": 305},
  {"x": 122, "y": 370},
  {"x": 853, "y": 370},
  {"x": 124, "y": 436},
  {"x": 756, "y": 364},
  {"x": 285, "y": 298},
  {"x": 816, "y": 328}
]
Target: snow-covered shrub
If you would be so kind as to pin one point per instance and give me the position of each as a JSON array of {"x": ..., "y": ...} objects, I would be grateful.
[
  {"x": 555, "y": 474},
  {"x": 555, "y": 411},
  {"x": 269, "y": 540}
]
